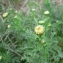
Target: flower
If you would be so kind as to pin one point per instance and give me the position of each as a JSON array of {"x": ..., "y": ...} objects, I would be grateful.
[
  {"x": 8, "y": 26},
  {"x": 46, "y": 12},
  {"x": 5, "y": 14},
  {"x": 41, "y": 22},
  {"x": 0, "y": 57},
  {"x": 39, "y": 29},
  {"x": 33, "y": 9}
]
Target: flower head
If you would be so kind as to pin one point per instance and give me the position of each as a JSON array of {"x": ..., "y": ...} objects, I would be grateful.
[
  {"x": 8, "y": 26},
  {"x": 5, "y": 14},
  {"x": 46, "y": 12},
  {"x": 39, "y": 29}
]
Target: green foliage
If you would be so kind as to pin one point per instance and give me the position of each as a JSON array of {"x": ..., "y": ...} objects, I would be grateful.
[{"x": 19, "y": 42}]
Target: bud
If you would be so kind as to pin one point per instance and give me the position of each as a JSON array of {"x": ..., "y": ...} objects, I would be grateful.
[
  {"x": 42, "y": 41},
  {"x": 16, "y": 11},
  {"x": 33, "y": 9},
  {"x": 15, "y": 16},
  {"x": 8, "y": 26},
  {"x": 46, "y": 12},
  {"x": 5, "y": 14},
  {"x": 0, "y": 57},
  {"x": 41, "y": 22}
]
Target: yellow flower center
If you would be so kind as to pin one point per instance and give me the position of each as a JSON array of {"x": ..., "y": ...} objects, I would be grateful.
[{"x": 38, "y": 29}]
